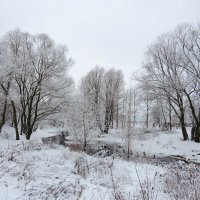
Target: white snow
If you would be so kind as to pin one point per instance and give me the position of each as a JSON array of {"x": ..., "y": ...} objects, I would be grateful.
[
  {"x": 169, "y": 143},
  {"x": 32, "y": 170}
]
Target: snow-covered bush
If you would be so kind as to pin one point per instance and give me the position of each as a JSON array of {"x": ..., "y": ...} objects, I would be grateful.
[
  {"x": 148, "y": 188},
  {"x": 62, "y": 190},
  {"x": 81, "y": 167},
  {"x": 183, "y": 182}
]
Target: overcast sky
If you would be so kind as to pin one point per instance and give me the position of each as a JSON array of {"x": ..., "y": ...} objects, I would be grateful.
[{"x": 109, "y": 33}]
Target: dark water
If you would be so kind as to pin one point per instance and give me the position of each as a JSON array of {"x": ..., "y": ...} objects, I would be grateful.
[{"x": 103, "y": 150}]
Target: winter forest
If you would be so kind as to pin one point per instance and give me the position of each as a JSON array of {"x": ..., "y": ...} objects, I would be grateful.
[
  {"x": 105, "y": 137},
  {"x": 35, "y": 87}
]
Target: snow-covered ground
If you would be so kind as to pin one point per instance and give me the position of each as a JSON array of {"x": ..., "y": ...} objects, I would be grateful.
[
  {"x": 157, "y": 143},
  {"x": 32, "y": 170}
]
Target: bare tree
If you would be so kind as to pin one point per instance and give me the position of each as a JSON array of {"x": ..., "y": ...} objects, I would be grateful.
[
  {"x": 81, "y": 121},
  {"x": 38, "y": 80},
  {"x": 92, "y": 86},
  {"x": 113, "y": 81},
  {"x": 129, "y": 127},
  {"x": 164, "y": 76},
  {"x": 188, "y": 37}
]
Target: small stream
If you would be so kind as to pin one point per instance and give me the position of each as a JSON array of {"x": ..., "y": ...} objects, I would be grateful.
[{"x": 102, "y": 149}]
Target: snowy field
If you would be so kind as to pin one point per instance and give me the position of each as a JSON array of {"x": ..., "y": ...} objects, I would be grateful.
[{"x": 32, "y": 170}]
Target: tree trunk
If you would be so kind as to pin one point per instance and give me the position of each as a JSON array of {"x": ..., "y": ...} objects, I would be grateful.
[
  {"x": 84, "y": 143},
  {"x": 183, "y": 128},
  {"x": 129, "y": 131},
  {"x": 123, "y": 114},
  {"x": 117, "y": 116},
  {"x": 29, "y": 132},
  {"x": 23, "y": 122},
  {"x": 96, "y": 111},
  {"x": 98, "y": 120},
  {"x": 192, "y": 133},
  {"x": 184, "y": 132},
  {"x": 147, "y": 118},
  {"x": 182, "y": 118},
  {"x": 15, "y": 119},
  {"x": 28, "y": 136},
  {"x": 112, "y": 114},
  {"x": 107, "y": 115},
  {"x": 107, "y": 120},
  {"x": 197, "y": 134},
  {"x": 3, "y": 115},
  {"x": 196, "y": 118},
  {"x": 6, "y": 89},
  {"x": 170, "y": 119}
]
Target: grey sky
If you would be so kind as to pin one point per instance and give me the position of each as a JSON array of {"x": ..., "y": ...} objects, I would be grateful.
[{"x": 110, "y": 33}]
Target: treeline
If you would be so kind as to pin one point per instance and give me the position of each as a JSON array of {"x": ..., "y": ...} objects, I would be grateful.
[{"x": 35, "y": 86}]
